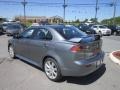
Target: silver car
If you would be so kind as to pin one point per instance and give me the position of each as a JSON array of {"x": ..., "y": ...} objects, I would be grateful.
[
  {"x": 13, "y": 29},
  {"x": 59, "y": 50}
]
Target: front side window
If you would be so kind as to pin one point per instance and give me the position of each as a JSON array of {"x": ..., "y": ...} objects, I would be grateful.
[
  {"x": 43, "y": 34},
  {"x": 102, "y": 27},
  {"x": 27, "y": 33}
]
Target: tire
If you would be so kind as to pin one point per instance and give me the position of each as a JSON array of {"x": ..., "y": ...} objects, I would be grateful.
[
  {"x": 100, "y": 33},
  {"x": 8, "y": 35},
  {"x": 52, "y": 70},
  {"x": 11, "y": 52},
  {"x": 115, "y": 33}
]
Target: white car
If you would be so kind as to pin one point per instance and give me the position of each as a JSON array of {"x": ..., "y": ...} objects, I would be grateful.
[
  {"x": 35, "y": 24},
  {"x": 102, "y": 30}
]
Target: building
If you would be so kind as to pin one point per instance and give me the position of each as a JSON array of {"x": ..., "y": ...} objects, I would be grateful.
[
  {"x": 55, "y": 19},
  {"x": 40, "y": 19}
]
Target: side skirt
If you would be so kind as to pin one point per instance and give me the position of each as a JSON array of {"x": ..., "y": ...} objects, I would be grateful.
[{"x": 29, "y": 60}]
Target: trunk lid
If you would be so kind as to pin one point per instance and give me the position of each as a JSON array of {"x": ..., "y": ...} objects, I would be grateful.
[{"x": 92, "y": 46}]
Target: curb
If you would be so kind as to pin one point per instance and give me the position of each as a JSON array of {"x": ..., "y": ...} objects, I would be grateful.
[{"x": 114, "y": 59}]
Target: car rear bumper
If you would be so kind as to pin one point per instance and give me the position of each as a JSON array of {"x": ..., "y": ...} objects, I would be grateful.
[
  {"x": 84, "y": 67},
  {"x": 106, "y": 33}
]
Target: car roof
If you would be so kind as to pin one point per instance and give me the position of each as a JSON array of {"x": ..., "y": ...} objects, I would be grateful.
[
  {"x": 51, "y": 26},
  {"x": 98, "y": 25}
]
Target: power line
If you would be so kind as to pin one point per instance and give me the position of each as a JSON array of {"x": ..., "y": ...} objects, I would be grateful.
[{"x": 53, "y": 4}]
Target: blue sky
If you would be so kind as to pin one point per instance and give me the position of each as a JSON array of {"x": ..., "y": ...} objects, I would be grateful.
[{"x": 9, "y": 11}]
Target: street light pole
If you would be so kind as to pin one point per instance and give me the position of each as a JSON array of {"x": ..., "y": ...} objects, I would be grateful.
[
  {"x": 64, "y": 7},
  {"x": 24, "y": 6},
  {"x": 114, "y": 10},
  {"x": 96, "y": 9}
]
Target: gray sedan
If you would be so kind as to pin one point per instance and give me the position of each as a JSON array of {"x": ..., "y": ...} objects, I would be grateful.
[
  {"x": 59, "y": 50},
  {"x": 14, "y": 29}
]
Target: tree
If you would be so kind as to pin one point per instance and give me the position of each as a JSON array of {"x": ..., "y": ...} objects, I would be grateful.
[
  {"x": 86, "y": 20},
  {"x": 94, "y": 20},
  {"x": 110, "y": 21},
  {"x": 17, "y": 19},
  {"x": 77, "y": 21}
]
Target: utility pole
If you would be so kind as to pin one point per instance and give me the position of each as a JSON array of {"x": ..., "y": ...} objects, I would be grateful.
[
  {"x": 64, "y": 7},
  {"x": 24, "y": 3},
  {"x": 114, "y": 10},
  {"x": 96, "y": 9}
]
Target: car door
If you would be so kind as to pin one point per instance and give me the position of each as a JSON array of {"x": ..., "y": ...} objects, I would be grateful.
[
  {"x": 21, "y": 44},
  {"x": 40, "y": 44}
]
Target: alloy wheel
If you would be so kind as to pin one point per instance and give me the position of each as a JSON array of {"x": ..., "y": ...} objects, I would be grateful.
[{"x": 51, "y": 69}]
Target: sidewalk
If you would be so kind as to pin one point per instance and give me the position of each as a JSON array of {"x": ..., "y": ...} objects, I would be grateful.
[{"x": 115, "y": 56}]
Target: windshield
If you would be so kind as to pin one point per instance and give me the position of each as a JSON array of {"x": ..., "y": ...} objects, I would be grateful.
[
  {"x": 69, "y": 32},
  {"x": 4, "y": 25},
  {"x": 102, "y": 27},
  {"x": 14, "y": 27}
]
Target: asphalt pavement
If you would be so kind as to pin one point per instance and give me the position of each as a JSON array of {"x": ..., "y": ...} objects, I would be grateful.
[{"x": 16, "y": 74}]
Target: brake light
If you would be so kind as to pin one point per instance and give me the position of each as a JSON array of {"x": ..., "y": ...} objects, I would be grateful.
[{"x": 77, "y": 48}]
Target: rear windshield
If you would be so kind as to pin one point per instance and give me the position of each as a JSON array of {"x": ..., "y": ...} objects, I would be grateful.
[
  {"x": 69, "y": 32},
  {"x": 14, "y": 27}
]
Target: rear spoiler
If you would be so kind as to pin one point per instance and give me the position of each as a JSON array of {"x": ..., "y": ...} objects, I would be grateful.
[{"x": 76, "y": 40}]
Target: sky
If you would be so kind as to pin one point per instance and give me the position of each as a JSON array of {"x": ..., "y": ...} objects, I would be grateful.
[{"x": 72, "y": 13}]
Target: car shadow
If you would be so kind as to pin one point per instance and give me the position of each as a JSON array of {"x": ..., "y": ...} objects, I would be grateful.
[
  {"x": 86, "y": 80},
  {"x": 34, "y": 66}
]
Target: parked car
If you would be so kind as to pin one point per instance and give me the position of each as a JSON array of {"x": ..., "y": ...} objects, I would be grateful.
[
  {"x": 14, "y": 29},
  {"x": 35, "y": 24},
  {"x": 59, "y": 50},
  {"x": 114, "y": 29},
  {"x": 4, "y": 26},
  {"x": 1, "y": 29},
  {"x": 102, "y": 30},
  {"x": 85, "y": 28}
]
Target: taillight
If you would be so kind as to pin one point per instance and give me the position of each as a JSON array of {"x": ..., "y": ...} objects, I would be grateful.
[{"x": 77, "y": 48}]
